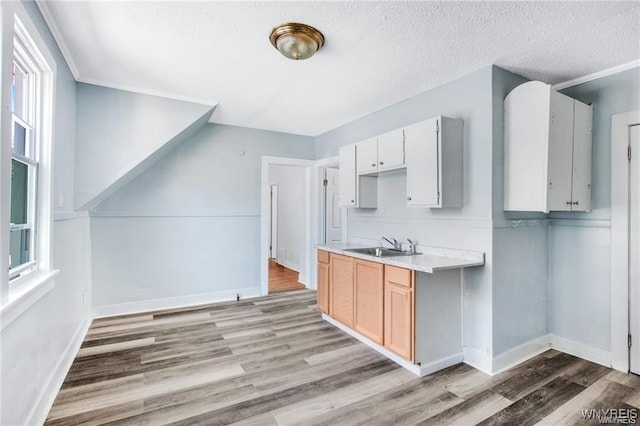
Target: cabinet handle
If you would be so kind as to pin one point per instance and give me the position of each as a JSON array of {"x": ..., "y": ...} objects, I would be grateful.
[
  {"x": 353, "y": 201},
  {"x": 408, "y": 198},
  {"x": 568, "y": 203},
  {"x": 575, "y": 203},
  {"x": 373, "y": 164},
  {"x": 381, "y": 163}
]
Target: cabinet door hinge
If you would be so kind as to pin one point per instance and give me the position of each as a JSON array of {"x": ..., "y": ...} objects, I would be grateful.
[
  {"x": 325, "y": 182},
  {"x": 629, "y": 152},
  {"x": 438, "y": 197},
  {"x": 629, "y": 342},
  {"x": 437, "y": 126}
]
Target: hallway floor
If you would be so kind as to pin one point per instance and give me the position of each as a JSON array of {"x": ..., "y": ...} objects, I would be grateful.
[{"x": 282, "y": 278}]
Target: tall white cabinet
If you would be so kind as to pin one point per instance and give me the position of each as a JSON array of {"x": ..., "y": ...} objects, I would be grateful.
[
  {"x": 547, "y": 150},
  {"x": 355, "y": 190}
]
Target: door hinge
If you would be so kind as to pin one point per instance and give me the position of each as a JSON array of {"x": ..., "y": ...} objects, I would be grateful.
[
  {"x": 629, "y": 342},
  {"x": 629, "y": 152},
  {"x": 325, "y": 182}
]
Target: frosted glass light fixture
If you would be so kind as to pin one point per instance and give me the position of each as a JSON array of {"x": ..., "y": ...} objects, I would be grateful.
[{"x": 296, "y": 41}]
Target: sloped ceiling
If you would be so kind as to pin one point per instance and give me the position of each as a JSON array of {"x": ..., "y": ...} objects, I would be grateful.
[{"x": 376, "y": 53}]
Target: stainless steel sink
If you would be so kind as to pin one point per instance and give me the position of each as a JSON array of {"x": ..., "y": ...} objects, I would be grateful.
[{"x": 379, "y": 251}]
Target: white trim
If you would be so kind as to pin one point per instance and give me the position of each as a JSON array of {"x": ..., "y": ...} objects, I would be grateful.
[
  {"x": 520, "y": 354},
  {"x": 581, "y": 350},
  {"x": 54, "y": 381},
  {"x": 59, "y": 216},
  {"x": 265, "y": 208},
  {"x": 25, "y": 294},
  {"x": 477, "y": 359},
  {"x": 581, "y": 223},
  {"x": 57, "y": 35},
  {"x": 620, "y": 124},
  {"x": 173, "y": 302},
  {"x": 158, "y": 93},
  {"x": 419, "y": 370},
  {"x": 596, "y": 75}
]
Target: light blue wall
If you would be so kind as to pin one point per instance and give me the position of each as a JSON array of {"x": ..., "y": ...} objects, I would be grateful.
[
  {"x": 191, "y": 223},
  {"x": 580, "y": 253},
  {"x": 121, "y": 133},
  {"x": 34, "y": 344}
]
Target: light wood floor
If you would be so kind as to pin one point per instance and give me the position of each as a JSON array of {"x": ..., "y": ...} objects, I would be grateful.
[
  {"x": 282, "y": 278},
  {"x": 272, "y": 360}
]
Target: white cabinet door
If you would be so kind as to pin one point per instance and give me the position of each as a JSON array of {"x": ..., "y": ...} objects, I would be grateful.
[
  {"x": 391, "y": 150},
  {"x": 581, "y": 184},
  {"x": 348, "y": 178},
  {"x": 559, "y": 154},
  {"x": 421, "y": 146},
  {"x": 367, "y": 156}
]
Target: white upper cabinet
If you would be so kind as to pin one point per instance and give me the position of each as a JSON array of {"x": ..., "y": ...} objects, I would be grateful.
[
  {"x": 434, "y": 163},
  {"x": 367, "y": 156},
  {"x": 391, "y": 150},
  {"x": 547, "y": 150},
  {"x": 382, "y": 153},
  {"x": 355, "y": 191}
]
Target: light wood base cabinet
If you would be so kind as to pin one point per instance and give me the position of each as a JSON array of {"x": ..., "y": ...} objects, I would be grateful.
[
  {"x": 399, "y": 312},
  {"x": 323, "y": 281},
  {"x": 369, "y": 299},
  {"x": 341, "y": 297}
]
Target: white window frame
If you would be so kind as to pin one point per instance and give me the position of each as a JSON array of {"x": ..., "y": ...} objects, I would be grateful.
[{"x": 17, "y": 294}]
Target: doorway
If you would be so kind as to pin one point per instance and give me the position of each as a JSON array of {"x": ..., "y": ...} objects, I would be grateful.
[
  {"x": 634, "y": 247},
  {"x": 285, "y": 217}
]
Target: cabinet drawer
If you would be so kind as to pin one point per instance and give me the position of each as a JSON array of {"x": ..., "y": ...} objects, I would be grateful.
[
  {"x": 323, "y": 256},
  {"x": 399, "y": 276}
]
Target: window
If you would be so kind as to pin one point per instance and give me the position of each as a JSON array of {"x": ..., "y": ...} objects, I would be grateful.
[
  {"x": 24, "y": 166},
  {"x": 30, "y": 140}
]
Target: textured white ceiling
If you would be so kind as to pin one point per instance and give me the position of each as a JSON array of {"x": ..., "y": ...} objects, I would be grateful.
[{"x": 376, "y": 53}]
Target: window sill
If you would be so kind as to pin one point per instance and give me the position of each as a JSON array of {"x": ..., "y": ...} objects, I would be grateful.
[{"x": 34, "y": 287}]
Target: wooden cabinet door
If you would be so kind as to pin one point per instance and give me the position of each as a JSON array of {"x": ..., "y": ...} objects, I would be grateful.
[
  {"x": 391, "y": 150},
  {"x": 369, "y": 299},
  {"x": 341, "y": 292},
  {"x": 347, "y": 177},
  {"x": 367, "y": 156},
  {"x": 423, "y": 173},
  {"x": 323, "y": 287},
  {"x": 399, "y": 320}
]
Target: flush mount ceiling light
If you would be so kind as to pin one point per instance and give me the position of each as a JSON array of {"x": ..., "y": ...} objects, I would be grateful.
[{"x": 296, "y": 41}]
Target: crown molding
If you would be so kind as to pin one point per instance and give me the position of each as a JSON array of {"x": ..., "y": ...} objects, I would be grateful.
[
  {"x": 596, "y": 75},
  {"x": 57, "y": 36}
]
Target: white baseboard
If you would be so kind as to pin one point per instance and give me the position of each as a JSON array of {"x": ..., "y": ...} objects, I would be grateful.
[
  {"x": 173, "y": 302},
  {"x": 477, "y": 359},
  {"x": 54, "y": 382},
  {"x": 441, "y": 364},
  {"x": 419, "y": 370},
  {"x": 581, "y": 350},
  {"x": 520, "y": 354},
  {"x": 290, "y": 265}
]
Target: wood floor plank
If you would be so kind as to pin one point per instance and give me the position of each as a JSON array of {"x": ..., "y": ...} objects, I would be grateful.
[{"x": 273, "y": 360}]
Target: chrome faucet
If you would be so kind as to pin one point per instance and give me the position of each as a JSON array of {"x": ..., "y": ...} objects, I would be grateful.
[
  {"x": 413, "y": 246},
  {"x": 395, "y": 243}
]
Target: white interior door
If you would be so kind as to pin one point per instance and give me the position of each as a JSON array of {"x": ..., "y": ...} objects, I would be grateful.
[
  {"x": 634, "y": 247},
  {"x": 273, "y": 247},
  {"x": 333, "y": 213}
]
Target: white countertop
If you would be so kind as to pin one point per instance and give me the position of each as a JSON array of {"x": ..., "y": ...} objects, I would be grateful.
[{"x": 431, "y": 260}]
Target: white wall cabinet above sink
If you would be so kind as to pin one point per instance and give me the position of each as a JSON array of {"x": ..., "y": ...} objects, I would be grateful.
[
  {"x": 431, "y": 152},
  {"x": 355, "y": 191},
  {"x": 547, "y": 150},
  {"x": 434, "y": 163},
  {"x": 382, "y": 153}
]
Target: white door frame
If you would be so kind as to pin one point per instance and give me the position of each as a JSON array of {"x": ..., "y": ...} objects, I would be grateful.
[
  {"x": 273, "y": 215},
  {"x": 620, "y": 125},
  {"x": 265, "y": 217}
]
